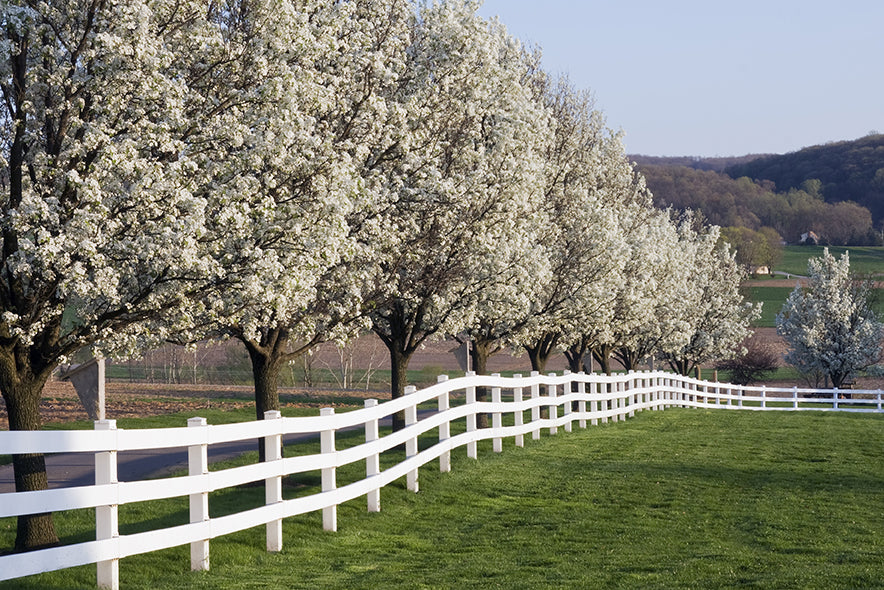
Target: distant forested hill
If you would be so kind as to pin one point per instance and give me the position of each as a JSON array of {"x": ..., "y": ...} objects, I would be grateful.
[
  {"x": 746, "y": 203},
  {"x": 697, "y": 163},
  {"x": 846, "y": 171}
]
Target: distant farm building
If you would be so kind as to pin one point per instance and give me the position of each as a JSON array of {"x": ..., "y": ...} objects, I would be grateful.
[{"x": 809, "y": 238}]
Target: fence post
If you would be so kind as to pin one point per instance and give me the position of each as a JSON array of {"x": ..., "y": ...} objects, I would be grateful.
[
  {"x": 373, "y": 461},
  {"x": 444, "y": 428},
  {"x": 608, "y": 388},
  {"x": 472, "y": 447},
  {"x": 329, "y": 474},
  {"x": 535, "y": 411},
  {"x": 553, "y": 407},
  {"x": 581, "y": 404},
  {"x": 107, "y": 522},
  {"x": 198, "y": 464},
  {"x": 594, "y": 402},
  {"x": 496, "y": 417},
  {"x": 835, "y": 398},
  {"x": 518, "y": 416},
  {"x": 763, "y": 396},
  {"x": 795, "y": 397},
  {"x": 626, "y": 398},
  {"x": 566, "y": 407},
  {"x": 411, "y": 443},
  {"x": 273, "y": 485},
  {"x": 879, "y": 400},
  {"x": 631, "y": 385}
]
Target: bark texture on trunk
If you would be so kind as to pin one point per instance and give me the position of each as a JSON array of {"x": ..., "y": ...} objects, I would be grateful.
[
  {"x": 482, "y": 350},
  {"x": 269, "y": 355},
  {"x": 540, "y": 350},
  {"x": 22, "y": 388},
  {"x": 399, "y": 360},
  {"x": 602, "y": 355},
  {"x": 628, "y": 358}
]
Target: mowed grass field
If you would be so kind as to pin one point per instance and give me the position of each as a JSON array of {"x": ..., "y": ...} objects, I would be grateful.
[
  {"x": 674, "y": 499},
  {"x": 864, "y": 261}
]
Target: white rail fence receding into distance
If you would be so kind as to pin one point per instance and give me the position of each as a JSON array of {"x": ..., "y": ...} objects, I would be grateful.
[{"x": 567, "y": 399}]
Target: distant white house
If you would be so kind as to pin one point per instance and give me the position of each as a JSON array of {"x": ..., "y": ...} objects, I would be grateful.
[{"x": 760, "y": 270}]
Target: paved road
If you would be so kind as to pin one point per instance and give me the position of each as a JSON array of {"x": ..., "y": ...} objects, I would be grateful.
[{"x": 78, "y": 469}]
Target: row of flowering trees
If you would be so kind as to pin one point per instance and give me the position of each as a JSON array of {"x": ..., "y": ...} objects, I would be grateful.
[{"x": 285, "y": 172}]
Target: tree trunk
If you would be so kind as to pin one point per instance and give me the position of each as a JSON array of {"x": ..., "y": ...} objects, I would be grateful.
[
  {"x": 22, "y": 391},
  {"x": 602, "y": 354},
  {"x": 681, "y": 366},
  {"x": 540, "y": 351},
  {"x": 265, "y": 372},
  {"x": 575, "y": 355},
  {"x": 481, "y": 351},
  {"x": 268, "y": 358},
  {"x": 400, "y": 331},
  {"x": 399, "y": 360},
  {"x": 628, "y": 358}
]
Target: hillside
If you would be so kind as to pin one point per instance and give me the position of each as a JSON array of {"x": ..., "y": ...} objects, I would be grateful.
[
  {"x": 846, "y": 170},
  {"x": 835, "y": 190},
  {"x": 742, "y": 202},
  {"x": 695, "y": 162}
]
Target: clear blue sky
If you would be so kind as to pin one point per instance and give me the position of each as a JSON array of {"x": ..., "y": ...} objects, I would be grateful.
[{"x": 712, "y": 77}]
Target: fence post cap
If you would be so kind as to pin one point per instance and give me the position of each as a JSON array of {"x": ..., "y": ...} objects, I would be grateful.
[
  {"x": 371, "y": 402},
  {"x": 272, "y": 415},
  {"x": 326, "y": 411},
  {"x": 110, "y": 424},
  {"x": 196, "y": 421}
]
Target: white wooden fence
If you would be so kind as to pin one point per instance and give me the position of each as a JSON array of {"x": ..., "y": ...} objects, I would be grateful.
[{"x": 569, "y": 399}]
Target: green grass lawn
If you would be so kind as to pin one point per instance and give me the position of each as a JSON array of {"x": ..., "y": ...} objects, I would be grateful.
[
  {"x": 864, "y": 260},
  {"x": 773, "y": 299},
  {"x": 674, "y": 499}
]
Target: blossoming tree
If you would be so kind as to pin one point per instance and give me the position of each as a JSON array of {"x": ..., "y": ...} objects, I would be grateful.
[
  {"x": 458, "y": 181},
  {"x": 829, "y": 325},
  {"x": 305, "y": 180},
  {"x": 587, "y": 181},
  {"x": 119, "y": 121},
  {"x": 718, "y": 317}
]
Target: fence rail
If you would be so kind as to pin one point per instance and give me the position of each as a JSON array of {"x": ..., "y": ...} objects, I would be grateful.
[{"x": 566, "y": 400}]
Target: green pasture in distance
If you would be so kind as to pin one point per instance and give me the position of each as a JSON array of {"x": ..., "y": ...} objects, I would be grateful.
[
  {"x": 773, "y": 299},
  {"x": 864, "y": 260}
]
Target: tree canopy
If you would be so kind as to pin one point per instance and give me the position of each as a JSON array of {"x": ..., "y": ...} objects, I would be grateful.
[{"x": 755, "y": 204}]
